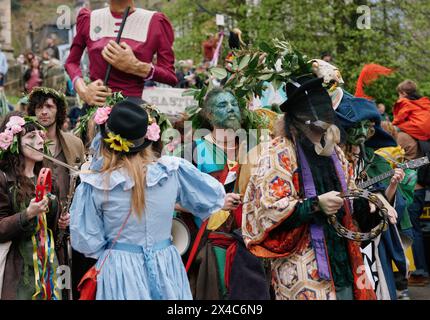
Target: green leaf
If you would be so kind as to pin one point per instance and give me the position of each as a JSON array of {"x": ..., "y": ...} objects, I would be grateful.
[
  {"x": 265, "y": 77},
  {"x": 264, "y": 46},
  {"x": 253, "y": 63},
  {"x": 115, "y": 98},
  {"x": 276, "y": 84},
  {"x": 192, "y": 110},
  {"x": 201, "y": 95},
  {"x": 219, "y": 73},
  {"x": 234, "y": 65},
  {"x": 190, "y": 92},
  {"x": 244, "y": 62},
  {"x": 14, "y": 146},
  {"x": 230, "y": 81},
  {"x": 285, "y": 74}
]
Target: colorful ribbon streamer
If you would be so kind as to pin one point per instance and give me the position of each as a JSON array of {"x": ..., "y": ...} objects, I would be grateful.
[{"x": 43, "y": 261}]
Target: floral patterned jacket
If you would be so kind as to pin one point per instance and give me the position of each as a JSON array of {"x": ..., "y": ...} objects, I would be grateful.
[{"x": 270, "y": 199}]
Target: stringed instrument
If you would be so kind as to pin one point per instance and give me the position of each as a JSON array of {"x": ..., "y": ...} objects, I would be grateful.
[{"x": 412, "y": 164}]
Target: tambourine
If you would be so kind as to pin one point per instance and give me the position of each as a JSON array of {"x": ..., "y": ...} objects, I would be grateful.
[
  {"x": 362, "y": 236},
  {"x": 44, "y": 184},
  {"x": 181, "y": 236}
]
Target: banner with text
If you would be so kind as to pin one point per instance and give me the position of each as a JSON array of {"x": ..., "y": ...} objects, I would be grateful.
[{"x": 168, "y": 100}]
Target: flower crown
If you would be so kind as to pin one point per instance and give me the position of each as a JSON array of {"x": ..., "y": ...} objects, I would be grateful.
[{"x": 9, "y": 137}]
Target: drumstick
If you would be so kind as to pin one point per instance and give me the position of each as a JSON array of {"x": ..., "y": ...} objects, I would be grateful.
[{"x": 118, "y": 39}]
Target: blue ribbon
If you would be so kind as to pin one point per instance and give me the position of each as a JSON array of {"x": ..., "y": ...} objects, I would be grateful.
[{"x": 149, "y": 259}]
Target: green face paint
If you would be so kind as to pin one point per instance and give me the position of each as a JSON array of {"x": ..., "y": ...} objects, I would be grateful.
[
  {"x": 225, "y": 112},
  {"x": 360, "y": 133}
]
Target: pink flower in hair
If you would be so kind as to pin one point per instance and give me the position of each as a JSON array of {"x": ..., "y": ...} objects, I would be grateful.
[
  {"x": 42, "y": 134},
  {"x": 102, "y": 114},
  {"x": 15, "y": 124},
  {"x": 6, "y": 139},
  {"x": 153, "y": 132}
]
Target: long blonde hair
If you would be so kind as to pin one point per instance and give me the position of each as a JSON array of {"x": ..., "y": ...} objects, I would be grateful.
[{"x": 136, "y": 166}]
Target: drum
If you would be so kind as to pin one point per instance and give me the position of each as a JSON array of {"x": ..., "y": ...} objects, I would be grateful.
[{"x": 181, "y": 236}]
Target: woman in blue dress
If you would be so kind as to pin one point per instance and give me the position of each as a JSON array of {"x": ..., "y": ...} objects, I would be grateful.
[{"x": 137, "y": 190}]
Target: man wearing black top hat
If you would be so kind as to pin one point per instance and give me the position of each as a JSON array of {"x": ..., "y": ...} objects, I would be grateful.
[{"x": 294, "y": 189}]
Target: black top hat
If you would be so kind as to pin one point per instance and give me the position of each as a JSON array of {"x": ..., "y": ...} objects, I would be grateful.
[
  {"x": 307, "y": 85},
  {"x": 308, "y": 101},
  {"x": 130, "y": 122}
]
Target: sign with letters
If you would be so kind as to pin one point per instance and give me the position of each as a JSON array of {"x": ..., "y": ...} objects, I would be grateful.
[{"x": 168, "y": 100}]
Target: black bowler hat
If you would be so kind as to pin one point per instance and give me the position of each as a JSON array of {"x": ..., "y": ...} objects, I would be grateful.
[{"x": 130, "y": 122}]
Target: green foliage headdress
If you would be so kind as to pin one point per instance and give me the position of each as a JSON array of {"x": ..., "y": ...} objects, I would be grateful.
[{"x": 247, "y": 76}]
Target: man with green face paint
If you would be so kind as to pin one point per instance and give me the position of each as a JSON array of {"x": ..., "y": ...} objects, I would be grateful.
[
  {"x": 360, "y": 133},
  {"x": 223, "y": 110},
  {"x": 222, "y": 267},
  {"x": 361, "y": 121},
  {"x": 373, "y": 164},
  {"x": 217, "y": 152}
]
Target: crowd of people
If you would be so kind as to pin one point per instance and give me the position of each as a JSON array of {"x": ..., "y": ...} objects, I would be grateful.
[
  {"x": 322, "y": 210},
  {"x": 35, "y": 68}
]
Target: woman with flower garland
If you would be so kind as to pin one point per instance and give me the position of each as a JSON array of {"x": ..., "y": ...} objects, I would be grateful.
[
  {"x": 25, "y": 277},
  {"x": 122, "y": 210}
]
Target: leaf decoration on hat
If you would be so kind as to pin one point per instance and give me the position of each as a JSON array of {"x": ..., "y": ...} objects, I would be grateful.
[
  {"x": 156, "y": 116},
  {"x": 115, "y": 98}
]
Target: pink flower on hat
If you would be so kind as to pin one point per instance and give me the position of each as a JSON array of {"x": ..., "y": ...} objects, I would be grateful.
[
  {"x": 153, "y": 132},
  {"x": 171, "y": 146},
  {"x": 15, "y": 124},
  {"x": 102, "y": 114},
  {"x": 6, "y": 139}
]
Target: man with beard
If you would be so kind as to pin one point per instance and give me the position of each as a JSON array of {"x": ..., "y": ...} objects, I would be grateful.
[
  {"x": 50, "y": 107},
  {"x": 219, "y": 265},
  {"x": 292, "y": 192}
]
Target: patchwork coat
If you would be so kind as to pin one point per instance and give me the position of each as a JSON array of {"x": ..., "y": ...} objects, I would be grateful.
[{"x": 270, "y": 199}]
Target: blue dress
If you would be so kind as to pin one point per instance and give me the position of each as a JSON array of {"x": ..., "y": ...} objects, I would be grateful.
[{"x": 144, "y": 264}]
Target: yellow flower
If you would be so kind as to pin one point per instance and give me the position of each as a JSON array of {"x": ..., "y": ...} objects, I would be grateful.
[
  {"x": 150, "y": 119},
  {"x": 117, "y": 143}
]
